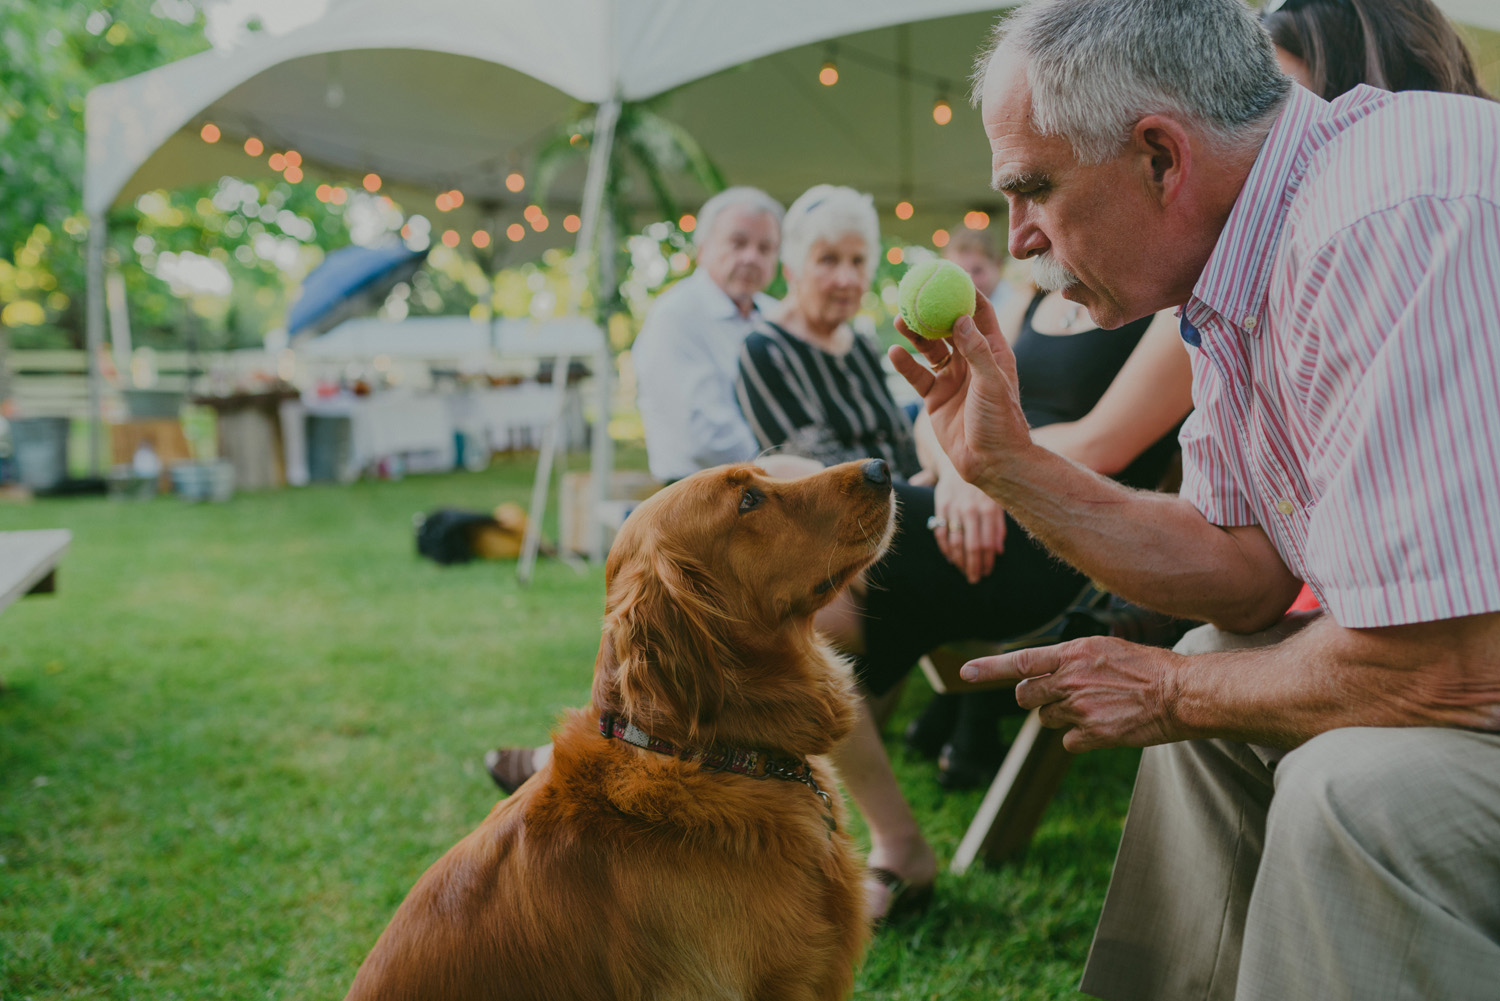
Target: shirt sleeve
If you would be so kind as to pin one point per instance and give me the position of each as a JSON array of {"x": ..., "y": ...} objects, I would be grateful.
[
  {"x": 1399, "y": 377},
  {"x": 686, "y": 397}
]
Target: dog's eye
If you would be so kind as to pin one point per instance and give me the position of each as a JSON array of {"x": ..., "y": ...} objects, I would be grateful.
[{"x": 750, "y": 500}]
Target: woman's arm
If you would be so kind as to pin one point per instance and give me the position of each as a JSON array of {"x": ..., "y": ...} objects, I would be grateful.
[{"x": 1150, "y": 394}]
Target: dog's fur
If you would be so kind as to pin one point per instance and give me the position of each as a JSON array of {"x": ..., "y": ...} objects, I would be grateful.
[{"x": 620, "y": 873}]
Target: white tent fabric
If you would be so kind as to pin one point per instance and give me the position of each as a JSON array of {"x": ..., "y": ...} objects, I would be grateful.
[{"x": 450, "y": 93}]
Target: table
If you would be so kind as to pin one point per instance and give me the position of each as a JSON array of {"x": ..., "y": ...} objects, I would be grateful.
[{"x": 28, "y": 562}]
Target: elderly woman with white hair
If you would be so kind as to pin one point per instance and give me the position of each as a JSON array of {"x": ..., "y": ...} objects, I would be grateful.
[{"x": 810, "y": 385}]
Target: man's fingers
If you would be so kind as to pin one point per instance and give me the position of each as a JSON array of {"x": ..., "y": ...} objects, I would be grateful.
[
  {"x": 1029, "y": 663},
  {"x": 913, "y": 371}
]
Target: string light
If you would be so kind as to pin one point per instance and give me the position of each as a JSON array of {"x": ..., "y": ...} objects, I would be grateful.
[
  {"x": 293, "y": 158},
  {"x": 538, "y": 222},
  {"x": 293, "y": 175},
  {"x": 450, "y": 238},
  {"x": 688, "y": 223},
  {"x": 894, "y": 255},
  {"x": 904, "y": 210},
  {"x": 277, "y": 162},
  {"x": 940, "y": 238},
  {"x": 481, "y": 239},
  {"x": 324, "y": 193},
  {"x": 942, "y": 111},
  {"x": 829, "y": 74},
  {"x": 515, "y": 231},
  {"x": 254, "y": 146},
  {"x": 514, "y": 181},
  {"x": 443, "y": 202},
  {"x": 976, "y": 220},
  {"x": 210, "y": 133},
  {"x": 339, "y": 196},
  {"x": 531, "y": 212},
  {"x": 372, "y": 182},
  {"x": 572, "y": 223}
]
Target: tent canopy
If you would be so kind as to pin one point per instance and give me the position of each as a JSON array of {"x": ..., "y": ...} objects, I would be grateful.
[{"x": 458, "y": 94}]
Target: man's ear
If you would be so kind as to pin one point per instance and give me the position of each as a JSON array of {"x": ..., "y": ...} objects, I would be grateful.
[{"x": 1164, "y": 151}]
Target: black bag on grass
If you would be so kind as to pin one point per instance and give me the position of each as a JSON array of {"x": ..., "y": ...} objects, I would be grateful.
[{"x": 447, "y": 535}]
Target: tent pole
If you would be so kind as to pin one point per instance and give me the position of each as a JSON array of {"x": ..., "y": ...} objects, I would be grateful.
[
  {"x": 601, "y": 463},
  {"x": 94, "y": 326}
]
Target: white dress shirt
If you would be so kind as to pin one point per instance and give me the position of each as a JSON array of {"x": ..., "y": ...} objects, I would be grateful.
[{"x": 686, "y": 360}]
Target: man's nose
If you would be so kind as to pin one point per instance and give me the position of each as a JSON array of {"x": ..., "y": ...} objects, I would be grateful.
[{"x": 1025, "y": 239}]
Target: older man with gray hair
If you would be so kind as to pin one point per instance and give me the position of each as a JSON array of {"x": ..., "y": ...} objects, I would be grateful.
[
  {"x": 1318, "y": 803},
  {"x": 687, "y": 354}
]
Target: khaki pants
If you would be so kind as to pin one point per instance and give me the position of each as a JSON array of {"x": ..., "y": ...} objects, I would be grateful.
[{"x": 1363, "y": 865}]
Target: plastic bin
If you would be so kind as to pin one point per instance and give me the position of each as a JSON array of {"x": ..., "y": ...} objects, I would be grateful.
[{"x": 41, "y": 451}]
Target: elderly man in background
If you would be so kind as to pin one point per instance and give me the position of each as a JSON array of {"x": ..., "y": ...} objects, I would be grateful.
[
  {"x": 687, "y": 353},
  {"x": 1317, "y": 814}
]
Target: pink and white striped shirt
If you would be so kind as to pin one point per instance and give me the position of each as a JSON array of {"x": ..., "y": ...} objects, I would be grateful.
[{"x": 1347, "y": 374}]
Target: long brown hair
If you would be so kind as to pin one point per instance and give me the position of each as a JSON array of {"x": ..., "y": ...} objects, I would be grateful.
[{"x": 1393, "y": 44}]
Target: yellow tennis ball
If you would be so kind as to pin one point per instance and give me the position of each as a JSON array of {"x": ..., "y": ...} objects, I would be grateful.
[{"x": 933, "y": 295}]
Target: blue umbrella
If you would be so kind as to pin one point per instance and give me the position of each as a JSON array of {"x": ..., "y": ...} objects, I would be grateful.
[{"x": 350, "y": 279}]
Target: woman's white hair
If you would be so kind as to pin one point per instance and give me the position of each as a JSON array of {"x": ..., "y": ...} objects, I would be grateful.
[
  {"x": 1096, "y": 67},
  {"x": 830, "y": 213}
]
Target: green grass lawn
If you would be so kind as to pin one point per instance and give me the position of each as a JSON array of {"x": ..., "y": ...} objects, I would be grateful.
[{"x": 237, "y": 734}]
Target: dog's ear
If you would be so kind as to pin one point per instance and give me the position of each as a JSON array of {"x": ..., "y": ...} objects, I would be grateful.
[{"x": 664, "y": 657}]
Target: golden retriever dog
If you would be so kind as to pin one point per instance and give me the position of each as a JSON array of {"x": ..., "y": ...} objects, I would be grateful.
[{"x": 686, "y": 841}]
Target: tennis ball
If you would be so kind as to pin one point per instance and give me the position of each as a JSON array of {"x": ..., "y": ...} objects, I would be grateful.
[{"x": 933, "y": 295}]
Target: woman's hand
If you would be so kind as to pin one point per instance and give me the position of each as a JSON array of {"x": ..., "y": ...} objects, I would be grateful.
[
  {"x": 971, "y": 530},
  {"x": 970, "y": 393}
]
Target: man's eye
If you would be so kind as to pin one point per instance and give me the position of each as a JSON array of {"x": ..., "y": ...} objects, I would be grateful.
[{"x": 750, "y": 500}]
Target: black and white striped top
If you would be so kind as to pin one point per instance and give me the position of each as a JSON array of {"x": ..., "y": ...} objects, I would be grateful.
[{"x": 834, "y": 408}]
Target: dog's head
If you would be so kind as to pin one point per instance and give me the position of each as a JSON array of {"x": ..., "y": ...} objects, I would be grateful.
[{"x": 711, "y": 587}]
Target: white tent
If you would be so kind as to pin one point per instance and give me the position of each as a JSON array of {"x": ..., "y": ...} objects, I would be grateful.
[{"x": 458, "y": 93}]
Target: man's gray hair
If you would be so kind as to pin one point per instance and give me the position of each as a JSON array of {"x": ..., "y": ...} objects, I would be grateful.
[
  {"x": 828, "y": 212},
  {"x": 741, "y": 197},
  {"x": 1096, "y": 67}
]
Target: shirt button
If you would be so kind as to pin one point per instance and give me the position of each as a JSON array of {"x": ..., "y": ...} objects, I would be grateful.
[
  {"x": 1285, "y": 506},
  {"x": 1249, "y": 323}
]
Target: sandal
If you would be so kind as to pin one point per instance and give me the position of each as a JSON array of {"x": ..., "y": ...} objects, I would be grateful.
[
  {"x": 907, "y": 899},
  {"x": 510, "y": 766}
]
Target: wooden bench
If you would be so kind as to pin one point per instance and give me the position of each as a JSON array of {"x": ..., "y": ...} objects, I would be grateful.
[
  {"x": 28, "y": 562},
  {"x": 1034, "y": 766}
]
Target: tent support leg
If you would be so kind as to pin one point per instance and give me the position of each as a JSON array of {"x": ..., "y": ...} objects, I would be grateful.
[
  {"x": 94, "y": 326},
  {"x": 552, "y": 446}
]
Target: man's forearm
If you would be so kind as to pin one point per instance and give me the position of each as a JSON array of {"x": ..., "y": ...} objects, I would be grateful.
[
  {"x": 1151, "y": 548},
  {"x": 1326, "y": 677}
]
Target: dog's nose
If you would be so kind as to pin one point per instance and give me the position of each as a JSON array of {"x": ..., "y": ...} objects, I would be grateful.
[{"x": 877, "y": 472}]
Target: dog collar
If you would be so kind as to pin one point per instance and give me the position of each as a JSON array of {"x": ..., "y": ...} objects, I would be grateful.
[{"x": 738, "y": 760}]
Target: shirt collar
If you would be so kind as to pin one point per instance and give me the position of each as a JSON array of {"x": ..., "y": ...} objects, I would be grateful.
[
  {"x": 718, "y": 303},
  {"x": 1235, "y": 281}
]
